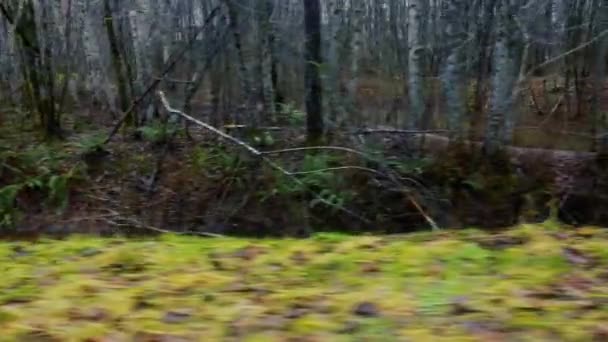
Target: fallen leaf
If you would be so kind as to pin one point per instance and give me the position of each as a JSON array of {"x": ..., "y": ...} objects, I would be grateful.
[
  {"x": 299, "y": 258},
  {"x": 150, "y": 337},
  {"x": 349, "y": 327},
  {"x": 249, "y": 253},
  {"x": 272, "y": 322},
  {"x": 600, "y": 334},
  {"x": 177, "y": 316},
  {"x": 501, "y": 242},
  {"x": 297, "y": 311},
  {"x": 366, "y": 309},
  {"x": 94, "y": 314},
  {"x": 89, "y": 252},
  {"x": 576, "y": 257},
  {"x": 370, "y": 267},
  {"x": 460, "y": 306}
]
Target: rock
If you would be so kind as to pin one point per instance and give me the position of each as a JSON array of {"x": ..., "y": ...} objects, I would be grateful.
[{"x": 366, "y": 309}]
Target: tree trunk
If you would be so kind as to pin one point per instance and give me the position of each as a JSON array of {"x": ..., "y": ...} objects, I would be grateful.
[
  {"x": 334, "y": 110},
  {"x": 452, "y": 74},
  {"x": 243, "y": 73},
  {"x": 313, "y": 60},
  {"x": 356, "y": 27},
  {"x": 268, "y": 66},
  {"x": 601, "y": 119},
  {"x": 117, "y": 63},
  {"x": 503, "y": 79},
  {"x": 415, "y": 66}
]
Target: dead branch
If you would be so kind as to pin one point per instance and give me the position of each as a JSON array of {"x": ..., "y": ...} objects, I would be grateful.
[
  {"x": 339, "y": 168},
  {"x": 228, "y": 137},
  {"x": 319, "y": 148},
  {"x": 293, "y": 175},
  {"x": 566, "y": 54},
  {"x": 123, "y": 221},
  {"x": 257, "y": 153}
]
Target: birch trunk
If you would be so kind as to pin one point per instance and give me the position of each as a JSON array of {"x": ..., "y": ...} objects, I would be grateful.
[
  {"x": 415, "y": 66},
  {"x": 357, "y": 12},
  {"x": 503, "y": 78},
  {"x": 452, "y": 74}
]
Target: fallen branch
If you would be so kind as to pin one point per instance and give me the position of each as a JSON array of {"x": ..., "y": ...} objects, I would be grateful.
[
  {"x": 320, "y": 148},
  {"x": 256, "y": 153},
  {"x": 130, "y": 222},
  {"x": 293, "y": 175}
]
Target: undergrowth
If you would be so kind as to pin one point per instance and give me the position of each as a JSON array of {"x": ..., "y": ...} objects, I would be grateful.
[
  {"x": 206, "y": 182},
  {"x": 33, "y": 177}
]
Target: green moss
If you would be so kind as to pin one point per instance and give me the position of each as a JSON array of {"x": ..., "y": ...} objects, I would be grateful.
[{"x": 421, "y": 286}]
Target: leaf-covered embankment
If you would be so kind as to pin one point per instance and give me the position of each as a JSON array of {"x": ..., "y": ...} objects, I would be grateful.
[{"x": 532, "y": 282}]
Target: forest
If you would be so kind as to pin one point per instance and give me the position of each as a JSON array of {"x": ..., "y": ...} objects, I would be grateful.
[{"x": 261, "y": 170}]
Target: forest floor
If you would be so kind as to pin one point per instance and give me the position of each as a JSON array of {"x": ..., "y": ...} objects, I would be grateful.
[{"x": 532, "y": 282}]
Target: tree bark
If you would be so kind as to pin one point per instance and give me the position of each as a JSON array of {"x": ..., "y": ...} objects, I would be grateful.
[
  {"x": 313, "y": 60},
  {"x": 452, "y": 74},
  {"x": 503, "y": 80},
  {"x": 117, "y": 62},
  {"x": 415, "y": 66}
]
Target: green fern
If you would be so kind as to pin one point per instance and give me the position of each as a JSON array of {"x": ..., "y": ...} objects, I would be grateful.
[
  {"x": 292, "y": 115},
  {"x": 8, "y": 211},
  {"x": 157, "y": 132},
  {"x": 90, "y": 144}
]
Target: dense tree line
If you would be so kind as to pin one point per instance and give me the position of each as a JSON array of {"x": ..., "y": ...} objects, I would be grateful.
[{"x": 448, "y": 63}]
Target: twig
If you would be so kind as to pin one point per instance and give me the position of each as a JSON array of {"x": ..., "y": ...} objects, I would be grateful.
[
  {"x": 137, "y": 223},
  {"x": 368, "y": 131},
  {"x": 428, "y": 219},
  {"x": 318, "y": 148},
  {"x": 535, "y": 101},
  {"x": 339, "y": 168},
  {"x": 553, "y": 110},
  {"x": 567, "y": 53},
  {"x": 171, "y": 80},
  {"x": 133, "y": 222}
]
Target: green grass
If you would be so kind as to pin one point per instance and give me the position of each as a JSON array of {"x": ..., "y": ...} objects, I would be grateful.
[{"x": 533, "y": 282}]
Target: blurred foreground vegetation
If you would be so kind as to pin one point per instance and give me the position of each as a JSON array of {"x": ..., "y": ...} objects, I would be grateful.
[{"x": 532, "y": 282}]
